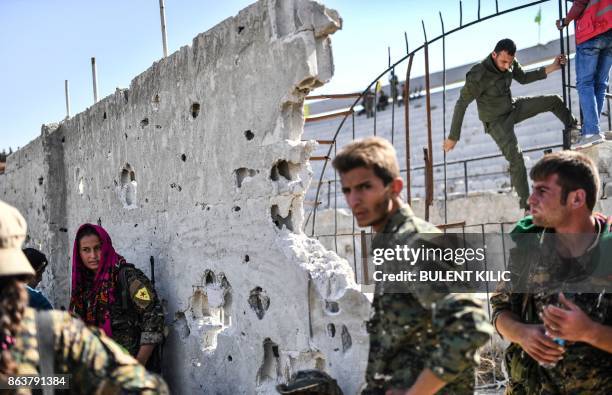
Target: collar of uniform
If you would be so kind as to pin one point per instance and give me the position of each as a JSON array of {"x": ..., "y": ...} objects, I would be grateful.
[
  {"x": 491, "y": 67},
  {"x": 396, "y": 220}
]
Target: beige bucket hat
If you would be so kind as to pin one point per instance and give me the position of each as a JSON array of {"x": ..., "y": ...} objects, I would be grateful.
[{"x": 13, "y": 229}]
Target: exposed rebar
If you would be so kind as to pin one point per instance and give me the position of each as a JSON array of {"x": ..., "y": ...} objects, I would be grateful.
[
  {"x": 94, "y": 79},
  {"x": 444, "y": 116},
  {"x": 566, "y": 131},
  {"x": 406, "y": 100},
  {"x": 162, "y": 17},
  {"x": 67, "y": 95},
  {"x": 428, "y": 200}
]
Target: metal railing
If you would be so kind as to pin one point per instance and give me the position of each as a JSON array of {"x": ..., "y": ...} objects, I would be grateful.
[{"x": 428, "y": 151}]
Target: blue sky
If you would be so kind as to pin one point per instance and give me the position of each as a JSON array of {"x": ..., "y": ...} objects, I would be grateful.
[{"x": 45, "y": 42}]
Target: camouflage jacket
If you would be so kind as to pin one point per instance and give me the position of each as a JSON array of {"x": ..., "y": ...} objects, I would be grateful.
[
  {"x": 583, "y": 369},
  {"x": 425, "y": 329},
  {"x": 95, "y": 362},
  {"x": 139, "y": 319}
]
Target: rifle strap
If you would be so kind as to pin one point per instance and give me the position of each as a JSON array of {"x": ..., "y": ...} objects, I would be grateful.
[{"x": 46, "y": 349}]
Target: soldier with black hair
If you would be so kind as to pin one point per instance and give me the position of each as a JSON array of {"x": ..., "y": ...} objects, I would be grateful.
[
  {"x": 488, "y": 83},
  {"x": 39, "y": 262}
]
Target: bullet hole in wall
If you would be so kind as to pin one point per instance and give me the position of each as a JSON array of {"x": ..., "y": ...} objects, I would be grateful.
[
  {"x": 280, "y": 168},
  {"x": 243, "y": 173},
  {"x": 144, "y": 122},
  {"x": 155, "y": 103},
  {"x": 249, "y": 135},
  {"x": 211, "y": 307},
  {"x": 128, "y": 191},
  {"x": 259, "y": 302},
  {"x": 347, "y": 342},
  {"x": 332, "y": 307},
  {"x": 270, "y": 369},
  {"x": 183, "y": 157},
  {"x": 240, "y": 29},
  {"x": 247, "y": 258},
  {"x": 104, "y": 115},
  {"x": 331, "y": 330},
  {"x": 280, "y": 221},
  {"x": 236, "y": 208},
  {"x": 195, "y": 110},
  {"x": 40, "y": 180}
]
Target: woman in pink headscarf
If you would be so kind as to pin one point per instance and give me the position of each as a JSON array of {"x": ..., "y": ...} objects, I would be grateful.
[{"x": 113, "y": 295}]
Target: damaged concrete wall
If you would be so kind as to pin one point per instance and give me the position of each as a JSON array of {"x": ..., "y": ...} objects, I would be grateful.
[{"x": 200, "y": 165}]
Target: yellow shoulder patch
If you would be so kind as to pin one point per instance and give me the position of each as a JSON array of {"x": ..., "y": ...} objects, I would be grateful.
[{"x": 143, "y": 294}]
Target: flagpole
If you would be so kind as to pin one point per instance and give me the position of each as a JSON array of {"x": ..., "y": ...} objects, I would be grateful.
[{"x": 539, "y": 29}]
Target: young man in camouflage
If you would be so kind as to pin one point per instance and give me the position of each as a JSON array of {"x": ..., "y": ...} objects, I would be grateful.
[
  {"x": 557, "y": 312},
  {"x": 54, "y": 343},
  {"x": 488, "y": 83},
  {"x": 420, "y": 342}
]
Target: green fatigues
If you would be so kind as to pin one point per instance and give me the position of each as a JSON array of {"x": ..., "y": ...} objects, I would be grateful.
[
  {"x": 139, "y": 320},
  {"x": 584, "y": 369},
  {"x": 94, "y": 361},
  {"x": 413, "y": 331},
  {"x": 499, "y": 112}
]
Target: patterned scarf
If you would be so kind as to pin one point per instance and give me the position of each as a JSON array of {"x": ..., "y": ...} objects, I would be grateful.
[{"x": 99, "y": 293}]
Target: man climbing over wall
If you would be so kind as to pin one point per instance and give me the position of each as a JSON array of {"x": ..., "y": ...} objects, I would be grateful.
[
  {"x": 411, "y": 348},
  {"x": 489, "y": 83},
  {"x": 557, "y": 313}
]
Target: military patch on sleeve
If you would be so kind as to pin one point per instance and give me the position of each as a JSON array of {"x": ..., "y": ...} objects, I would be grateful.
[{"x": 141, "y": 295}]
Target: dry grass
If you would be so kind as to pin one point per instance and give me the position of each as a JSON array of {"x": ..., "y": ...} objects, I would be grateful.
[{"x": 490, "y": 371}]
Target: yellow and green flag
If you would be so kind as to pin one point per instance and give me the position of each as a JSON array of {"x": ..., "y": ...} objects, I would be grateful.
[{"x": 538, "y": 18}]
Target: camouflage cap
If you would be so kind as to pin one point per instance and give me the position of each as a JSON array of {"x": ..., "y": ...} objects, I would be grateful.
[
  {"x": 13, "y": 230},
  {"x": 310, "y": 382}
]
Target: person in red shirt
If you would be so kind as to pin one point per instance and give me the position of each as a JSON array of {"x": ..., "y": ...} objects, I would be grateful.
[{"x": 593, "y": 60}]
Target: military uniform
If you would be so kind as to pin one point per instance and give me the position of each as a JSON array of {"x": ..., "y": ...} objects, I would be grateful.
[
  {"x": 94, "y": 361},
  {"x": 137, "y": 318},
  {"x": 584, "y": 369},
  {"x": 424, "y": 329},
  {"x": 499, "y": 112}
]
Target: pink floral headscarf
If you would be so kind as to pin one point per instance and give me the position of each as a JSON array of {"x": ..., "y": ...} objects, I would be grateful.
[{"x": 101, "y": 294}]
